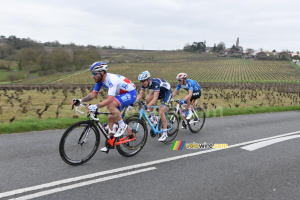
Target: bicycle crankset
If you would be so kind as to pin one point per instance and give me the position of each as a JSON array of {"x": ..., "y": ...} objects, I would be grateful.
[{"x": 152, "y": 133}]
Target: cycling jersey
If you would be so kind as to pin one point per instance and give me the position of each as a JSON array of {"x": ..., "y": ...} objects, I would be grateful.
[
  {"x": 160, "y": 85},
  {"x": 115, "y": 84},
  {"x": 190, "y": 85}
]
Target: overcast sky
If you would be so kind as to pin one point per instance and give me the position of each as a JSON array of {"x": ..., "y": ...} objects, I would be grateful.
[{"x": 155, "y": 24}]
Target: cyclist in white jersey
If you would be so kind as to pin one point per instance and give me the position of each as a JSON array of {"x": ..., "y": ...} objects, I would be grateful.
[{"x": 121, "y": 93}]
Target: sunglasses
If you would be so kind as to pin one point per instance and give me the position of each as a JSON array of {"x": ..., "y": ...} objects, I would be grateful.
[
  {"x": 143, "y": 81},
  {"x": 179, "y": 80},
  {"x": 95, "y": 74}
]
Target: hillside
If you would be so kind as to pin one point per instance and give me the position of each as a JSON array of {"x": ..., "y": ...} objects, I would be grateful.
[{"x": 167, "y": 64}]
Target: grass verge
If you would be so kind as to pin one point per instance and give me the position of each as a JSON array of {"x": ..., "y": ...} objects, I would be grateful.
[
  {"x": 246, "y": 111},
  {"x": 40, "y": 124},
  {"x": 63, "y": 123}
]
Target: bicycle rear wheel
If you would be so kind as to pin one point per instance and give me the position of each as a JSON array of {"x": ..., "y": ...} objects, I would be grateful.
[
  {"x": 196, "y": 122},
  {"x": 79, "y": 143},
  {"x": 172, "y": 122},
  {"x": 140, "y": 131}
]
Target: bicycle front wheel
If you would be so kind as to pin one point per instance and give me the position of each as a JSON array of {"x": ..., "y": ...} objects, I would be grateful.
[
  {"x": 196, "y": 122},
  {"x": 173, "y": 125},
  {"x": 138, "y": 129},
  {"x": 79, "y": 143}
]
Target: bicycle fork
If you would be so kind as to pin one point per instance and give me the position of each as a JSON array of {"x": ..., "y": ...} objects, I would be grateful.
[{"x": 84, "y": 135}]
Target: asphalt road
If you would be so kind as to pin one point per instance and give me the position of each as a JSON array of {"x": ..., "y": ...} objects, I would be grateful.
[{"x": 261, "y": 162}]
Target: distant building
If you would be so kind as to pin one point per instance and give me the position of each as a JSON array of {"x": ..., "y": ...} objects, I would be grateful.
[{"x": 2, "y": 42}]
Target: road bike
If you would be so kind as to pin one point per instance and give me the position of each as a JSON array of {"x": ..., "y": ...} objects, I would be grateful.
[
  {"x": 156, "y": 130},
  {"x": 80, "y": 141},
  {"x": 196, "y": 122}
]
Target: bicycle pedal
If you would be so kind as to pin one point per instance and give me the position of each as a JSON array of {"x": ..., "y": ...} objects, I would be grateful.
[{"x": 107, "y": 151}]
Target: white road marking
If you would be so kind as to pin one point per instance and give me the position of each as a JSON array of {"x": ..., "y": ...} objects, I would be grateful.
[
  {"x": 131, "y": 167},
  {"x": 81, "y": 184},
  {"x": 262, "y": 144}
]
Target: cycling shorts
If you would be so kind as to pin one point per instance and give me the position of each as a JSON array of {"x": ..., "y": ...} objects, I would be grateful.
[
  {"x": 196, "y": 95},
  {"x": 125, "y": 99},
  {"x": 167, "y": 98}
]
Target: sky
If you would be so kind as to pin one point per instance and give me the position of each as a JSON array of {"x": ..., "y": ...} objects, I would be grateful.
[{"x": 155, "y": 24}]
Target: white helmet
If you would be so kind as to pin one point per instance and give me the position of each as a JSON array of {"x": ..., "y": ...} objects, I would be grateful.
[
  {"x": 144, "y": 75},
  {"x": 181, "y": 76},
  {"x": 98, "y": 66}
]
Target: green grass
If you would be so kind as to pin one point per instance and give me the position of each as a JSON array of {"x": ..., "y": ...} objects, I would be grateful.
[
  {"x": 295, "y": 65},
  {"x": 32, "y": 124},
  {"x": 3, "y": 75},
  {"x": 246, "y": 111},
  {"x": 63, "y": 123}
]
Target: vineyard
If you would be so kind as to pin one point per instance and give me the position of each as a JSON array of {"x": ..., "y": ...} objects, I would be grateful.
[
  {"x": 53, "y": 101},
  {"x": 218, "y": 70},
  {"x": 226, "y": 83}
]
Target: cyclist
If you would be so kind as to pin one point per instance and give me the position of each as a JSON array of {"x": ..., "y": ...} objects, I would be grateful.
[
  {"x": 161, "y": 90},
  {"x": 121, "y": 93},
  {"x": 194, "y": 92}
]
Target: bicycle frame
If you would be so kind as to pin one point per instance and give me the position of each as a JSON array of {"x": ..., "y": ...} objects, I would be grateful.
[
  {"x": 111, "y": 141},
  {"x": 155, "y": 130},
  {"x": 179, "y": 108}
]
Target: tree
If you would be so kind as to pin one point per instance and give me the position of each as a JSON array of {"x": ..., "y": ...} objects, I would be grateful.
[
  {"x": 221, "y": 46},
  {"x": 85, "y": 57},
  {"x": 60, "y": 60},
  {"x": 215, "y": 48}
]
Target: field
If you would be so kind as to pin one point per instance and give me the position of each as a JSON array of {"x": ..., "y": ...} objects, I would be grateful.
[
  {"x": 226, "y": 83},
  {"x": 200, "y": 67},
  {"x": 52, "y": 101}
]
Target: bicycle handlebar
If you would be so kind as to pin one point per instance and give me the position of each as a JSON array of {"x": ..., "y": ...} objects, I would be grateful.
[
  {"x": 92, "y": 115},
  {"x": 176, "y": 100}
]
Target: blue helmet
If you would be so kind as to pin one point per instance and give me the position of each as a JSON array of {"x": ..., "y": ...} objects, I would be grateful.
[
  {"x": 98, "y": 66},
  {"x": 144, "y": 75}
]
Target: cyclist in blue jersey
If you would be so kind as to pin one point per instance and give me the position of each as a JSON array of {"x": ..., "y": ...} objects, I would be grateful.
[
  {"x": 161, "y": 90},
  {"x": 121, "y": 93},
  {"x": 193, "y": 88}
]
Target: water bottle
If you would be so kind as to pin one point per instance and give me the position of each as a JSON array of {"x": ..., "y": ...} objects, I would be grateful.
[
  {"x": 154, "y": 120},
  {"x": 105, "y": 126}
]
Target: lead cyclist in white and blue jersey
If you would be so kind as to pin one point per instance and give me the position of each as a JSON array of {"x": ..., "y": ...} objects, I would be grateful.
[
  {"x": 121, "y": 93},
  {"x": 193, "y": 88},
  {"x": 161, "y": 90}
]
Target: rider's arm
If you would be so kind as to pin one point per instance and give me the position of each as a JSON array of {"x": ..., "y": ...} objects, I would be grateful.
[
  {"x": 175, "y": 93},
  {"x": 153, "y": 101},
  {"x": 189, "y": 95},
  {"x": 176, "y": 90},
  {"x": 89, "y": 97},
  {"x": 141, "y": 95}
]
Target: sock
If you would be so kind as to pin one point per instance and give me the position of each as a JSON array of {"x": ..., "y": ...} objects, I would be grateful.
[
  {"x": 111, "y": 131},
  {"x": 121, "y": 123},
  {"x": 152, "y": 114},
  {"x": 164, "y": 130}
]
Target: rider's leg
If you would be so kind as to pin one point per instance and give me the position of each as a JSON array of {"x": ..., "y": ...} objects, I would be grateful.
[
  {"x": 115, "y": 115},
  {"x": 111, "y": 121},
  {"x": 163, "y": 109},
  {"x": 149, "y": 98},
  {"x": 163, "y": 118}
]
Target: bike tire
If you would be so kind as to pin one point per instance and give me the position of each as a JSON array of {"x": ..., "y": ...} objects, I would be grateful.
[
  {"x": 178, "y": 113},
  {"x": 70, "y": 145},
  {"x": 195, "y": 127},
  {"x": 132, "y": 148},
  {"x": 172, "y": 134}
]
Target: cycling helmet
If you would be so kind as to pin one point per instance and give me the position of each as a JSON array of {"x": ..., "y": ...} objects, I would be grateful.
[
  {"x": 98, "y": 66},
  {"x": 181, "y": 76},
  {"x": 144, "y": 75}
]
